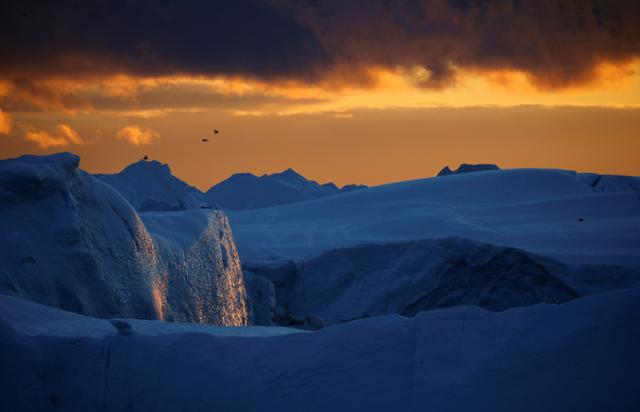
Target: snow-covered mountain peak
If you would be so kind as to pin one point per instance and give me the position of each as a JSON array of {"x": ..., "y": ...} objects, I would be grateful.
[
  {"x": 149, "y": 185},
  {"x": 148, "y": 166},
  {"x": 289, "y": 174},
  {"x": 243, "y": 191}
]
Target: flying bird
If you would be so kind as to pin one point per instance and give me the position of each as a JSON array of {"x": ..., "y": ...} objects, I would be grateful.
[
  {"x": 145, "y": 157},
  {"x": 205, "y": 140},
  {"x": 215, "y": 131}
]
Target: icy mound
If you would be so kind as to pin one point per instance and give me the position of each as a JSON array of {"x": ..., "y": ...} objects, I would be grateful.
[
  {"x": 551, "y": 212},
  {"x": 71, "y": 241},
  {"x": 149, "y": 185},
  {"x": 578, "y": 356},
  {"x": 246, "y": 191},
  {"x": 467, "y": 168},
  {"x": 408, "y": 277}
]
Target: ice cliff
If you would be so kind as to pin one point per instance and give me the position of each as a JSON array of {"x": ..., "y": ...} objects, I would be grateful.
[
  {"x": 412, "y": 276},
  {"x": 71, "y": 241}
]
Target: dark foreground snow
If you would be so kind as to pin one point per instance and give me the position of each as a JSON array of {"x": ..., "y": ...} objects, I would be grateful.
[{"x": 582, "y": 355}]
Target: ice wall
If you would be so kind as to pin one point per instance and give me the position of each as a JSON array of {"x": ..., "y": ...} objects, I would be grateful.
[{"x": 71, "y": 241}]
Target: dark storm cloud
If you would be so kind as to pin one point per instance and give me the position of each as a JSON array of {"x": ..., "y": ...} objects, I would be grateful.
[
  {"x": 153, "y": 37},
  {"x": 559, "y": 43}
]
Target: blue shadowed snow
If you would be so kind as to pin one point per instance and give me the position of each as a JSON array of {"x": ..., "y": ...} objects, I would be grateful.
[
  {"x": 581, "y": 355},
  {"x": 534, "y": 209}
]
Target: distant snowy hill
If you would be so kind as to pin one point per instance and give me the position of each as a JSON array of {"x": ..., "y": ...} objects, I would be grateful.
[
  {"x": 246, "y": 191},
  {"x": 71, "y": 241},
  {"x": 575, "y": 217},
  {"x": 149, "y": 185},
  {"x": 578, "y": 356},
  {"x": 408, "y": 277},
  {"x": 467, "y": 168}
]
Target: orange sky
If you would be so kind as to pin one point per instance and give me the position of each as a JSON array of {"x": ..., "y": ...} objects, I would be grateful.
[{"x": 356, "y": 145}]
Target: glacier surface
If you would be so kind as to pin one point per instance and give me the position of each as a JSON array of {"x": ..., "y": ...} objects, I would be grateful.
[
  {"x": 412, "y": 276},
  {"x": 575, "y": 217}
]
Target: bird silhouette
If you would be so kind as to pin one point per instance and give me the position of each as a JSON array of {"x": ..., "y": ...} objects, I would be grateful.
[
  {"x": 145, "y": 157},
  {"x": 205, "y": 140},
  {"x": 215, "y": 131}
]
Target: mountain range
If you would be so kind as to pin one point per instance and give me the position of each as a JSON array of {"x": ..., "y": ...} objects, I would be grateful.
[{"x": 150, "y": 186}]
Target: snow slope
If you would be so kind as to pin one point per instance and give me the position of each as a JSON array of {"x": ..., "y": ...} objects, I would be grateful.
[
  {"x": 71, "y": 241},
  {"x": 582, "y": 355},
  {"x": 149, "y": 185},
  {"x": 534, "y": 209},
  {"x": 247, "y": 191},
  {"x": 412, "y": 276}
]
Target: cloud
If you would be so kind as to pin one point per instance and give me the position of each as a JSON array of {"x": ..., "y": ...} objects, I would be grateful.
[
  {"x": 5, "y": 123},
  {"x": 148, "y": 96},
  {"x": 63, "y": 136},
  {"x": 136, "y": 135},
  {"x": 155, "y": 37},
  {"x": 265, "y": 57},
  {"x": 556, "y": 43}
]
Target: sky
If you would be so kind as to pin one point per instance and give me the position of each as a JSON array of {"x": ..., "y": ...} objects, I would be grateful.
[{"x": 351, "y": 92}]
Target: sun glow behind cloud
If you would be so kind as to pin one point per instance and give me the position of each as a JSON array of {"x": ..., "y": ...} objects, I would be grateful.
[
  {"x": 611, "y": 86},
  {"x": 337, "y": 93}
]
